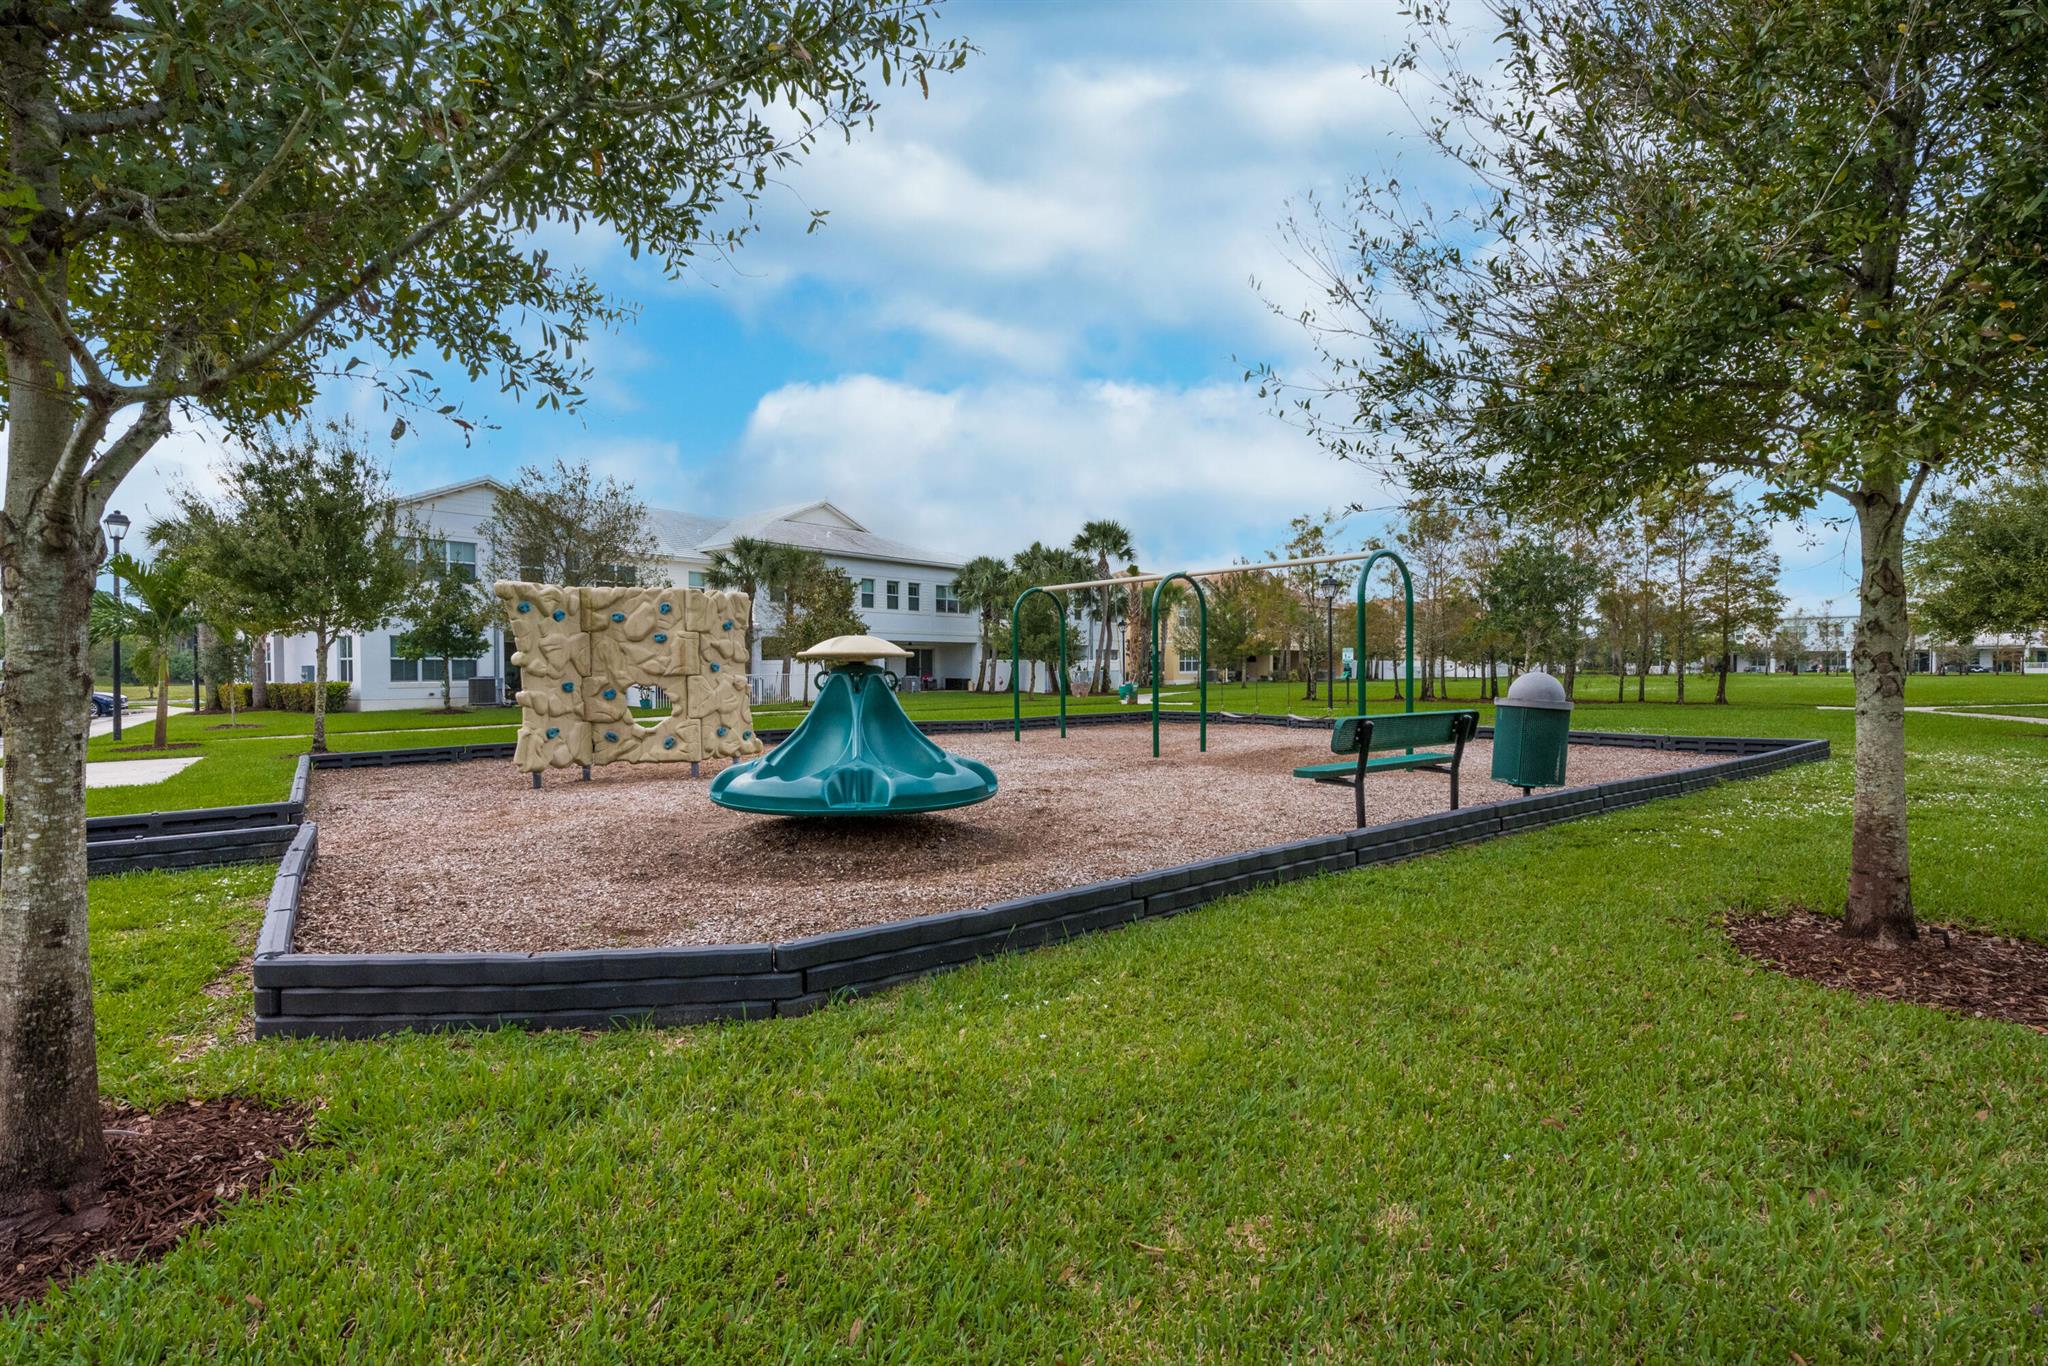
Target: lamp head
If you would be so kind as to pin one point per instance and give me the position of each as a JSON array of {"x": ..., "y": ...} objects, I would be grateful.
[
  {"x": 1331, "y": 583},
  {"x": 117, "y": 525}
]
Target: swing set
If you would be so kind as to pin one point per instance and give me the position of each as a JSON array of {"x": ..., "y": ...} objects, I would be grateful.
[{"x": 1194, "y": 578}]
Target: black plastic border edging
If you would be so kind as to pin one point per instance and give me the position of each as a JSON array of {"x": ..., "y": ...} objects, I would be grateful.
[
  {"x": 197, "y": 837},
  {"x": 359, "y": 995}
]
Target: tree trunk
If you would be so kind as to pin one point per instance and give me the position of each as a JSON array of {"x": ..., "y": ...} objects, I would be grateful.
[
  {"x": 320, "y": 690},
  {"x": 1880, "y": 906},
  {"x": 259, "y": 674},
  {"x": 51, "y": 1149},
  {"x": 50, "y": 1138},
  {"x": 1721, "y": 685},
  {"x": 162, "y": 738},
  {"x": 209, "y": 694}
]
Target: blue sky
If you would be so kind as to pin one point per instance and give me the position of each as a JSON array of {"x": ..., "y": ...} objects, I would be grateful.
[{"x": 1033, "y": 303}]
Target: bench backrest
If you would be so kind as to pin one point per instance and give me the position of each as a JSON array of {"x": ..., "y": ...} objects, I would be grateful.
[{"x": 1403, "y": 730}]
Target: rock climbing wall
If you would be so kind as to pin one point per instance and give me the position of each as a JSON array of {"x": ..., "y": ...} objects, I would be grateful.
[{"x": 580, "y": 650}]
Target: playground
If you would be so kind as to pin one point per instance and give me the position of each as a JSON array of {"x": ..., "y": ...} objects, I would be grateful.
[{"x": 460, "y": 856}]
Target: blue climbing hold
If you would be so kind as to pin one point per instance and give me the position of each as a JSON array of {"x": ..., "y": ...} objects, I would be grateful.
[
  {"x": 618, "y": 616},
  {"x": 664, "y": 609},
  {"x": 559, "y": 614},
  {"x": 721, "y": 730},
  {"x": 714, "y": 668},
  {"x": 746, "y": 735},
  {"x": 611, "y": 735},
  {"x": 526, "y": 607},
  {"x": 568, "y": 687},
  {"x": 610, "y": 693},
  {"x": 661, "y": 637},
  {"x": 553, "y": 731},
  {"x": 669, "y": 743},
  {"x": 727, "y": 626}
]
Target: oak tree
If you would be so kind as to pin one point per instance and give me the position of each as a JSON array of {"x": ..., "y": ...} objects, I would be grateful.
[
  {"x": 210, "y": 208},
  {"x": 1795, "y": 241}
]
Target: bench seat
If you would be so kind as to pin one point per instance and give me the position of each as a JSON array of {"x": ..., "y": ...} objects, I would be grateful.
[
  {"x": 1344, "y": 772},
  {"x": 1396, "y": 738}
]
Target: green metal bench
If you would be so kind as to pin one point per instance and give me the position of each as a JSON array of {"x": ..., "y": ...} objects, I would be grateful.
[{"x": 1366, "y": 736}]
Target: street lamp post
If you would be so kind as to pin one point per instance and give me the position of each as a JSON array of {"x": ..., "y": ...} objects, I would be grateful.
[
  {"x": 117, "y": 527},
  {"x": 1330, "y": 585}
]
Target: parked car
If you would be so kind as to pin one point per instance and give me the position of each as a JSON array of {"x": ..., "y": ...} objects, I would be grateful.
[
  {"x": 102, "y": 704},
  {"x": 1978, "y": 669}
]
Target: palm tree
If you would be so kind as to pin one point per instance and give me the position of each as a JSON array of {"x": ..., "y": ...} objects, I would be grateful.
[
  {"x": 983, "y": 586},
  {"x": 1104, "y": 540},
  {"x": 160, "y": 619},
  {"x": 1041, "y": 564},
  {"x": 754, "y": 567}
]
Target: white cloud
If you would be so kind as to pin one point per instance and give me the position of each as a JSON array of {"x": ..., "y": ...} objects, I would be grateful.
[
  {"x": 1023, "y": 348},
  {"x": 1199, "y": 474}
]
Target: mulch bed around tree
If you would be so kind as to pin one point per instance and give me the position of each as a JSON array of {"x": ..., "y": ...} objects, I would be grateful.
[
  {"x": 156, "y": 749},
  {"x": 1986, "y": 976},
  {"x": 168, "y": 1172}
]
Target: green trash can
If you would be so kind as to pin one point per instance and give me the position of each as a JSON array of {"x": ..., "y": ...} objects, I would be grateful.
[{"x": 1532, "y": 732}]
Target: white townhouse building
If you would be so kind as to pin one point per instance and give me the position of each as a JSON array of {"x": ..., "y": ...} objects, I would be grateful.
[
  {"x": 903, "y": 593},
  {"x": 1825, "y": 639}
]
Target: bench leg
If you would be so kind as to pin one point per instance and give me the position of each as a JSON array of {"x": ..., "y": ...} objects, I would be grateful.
[{"x": 1454, "y": 788}]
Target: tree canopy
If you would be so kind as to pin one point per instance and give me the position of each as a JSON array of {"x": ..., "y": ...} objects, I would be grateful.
[
  {"x": 566, "y": 525},
  {"x": 1795, "y": 243},
  {"x": 1983, "y": 566}
]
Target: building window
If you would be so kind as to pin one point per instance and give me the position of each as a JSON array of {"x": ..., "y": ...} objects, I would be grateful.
[
  {"x": 944, "y": 601},
  {"x": 867, "y": 592},
  {"x": 913, "y": 587},
  {"x": 891, "y": 598},
  {"x": 432, "y": 669},
  {"x": 697, "y": 579},
  {"x": 458, "y": 556},
  {"x": 1189, "y": 663},
  {"x": 345, "y": 661}
]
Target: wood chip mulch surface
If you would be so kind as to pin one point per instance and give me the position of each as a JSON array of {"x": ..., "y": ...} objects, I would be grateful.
[
  {"x": 467, "y": 856},
  {"x": 168, "y": 1172},
  {"x": 1985, "y": 976}
]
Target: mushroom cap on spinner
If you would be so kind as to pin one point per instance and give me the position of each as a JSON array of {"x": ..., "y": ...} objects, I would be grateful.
[{"x": 855, "y": 648}]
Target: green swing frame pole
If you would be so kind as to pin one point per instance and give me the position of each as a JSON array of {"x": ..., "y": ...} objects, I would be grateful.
[
  {"x": 1408, "y": 628},
  {"x": 1016, "y": 673},
  {"x": 1202, "y": 657}
]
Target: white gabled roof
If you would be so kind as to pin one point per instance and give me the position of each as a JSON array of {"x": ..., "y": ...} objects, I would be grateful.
[{"x": 822, "y": 526}]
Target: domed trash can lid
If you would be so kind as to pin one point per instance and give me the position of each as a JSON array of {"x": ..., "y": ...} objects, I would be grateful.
[{"x": 1538, "y": 691}]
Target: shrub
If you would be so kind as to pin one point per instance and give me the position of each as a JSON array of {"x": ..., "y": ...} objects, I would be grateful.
[
  {"x": 241, "y": 694},
  {"x": 289, "y": 696}
]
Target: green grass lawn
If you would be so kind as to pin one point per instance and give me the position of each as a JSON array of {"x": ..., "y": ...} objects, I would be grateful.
[
  {"x": 1512, "y": 1102},
  {"x": 253, "y": 760}
]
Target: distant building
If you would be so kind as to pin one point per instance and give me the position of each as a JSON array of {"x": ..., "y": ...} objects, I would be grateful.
[
  {"x": 903, "y": 593},
  {"x": 1813, "y": 642}
]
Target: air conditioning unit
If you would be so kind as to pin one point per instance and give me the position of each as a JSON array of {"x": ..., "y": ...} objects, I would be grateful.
[{"x": 483, "y": 692}]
